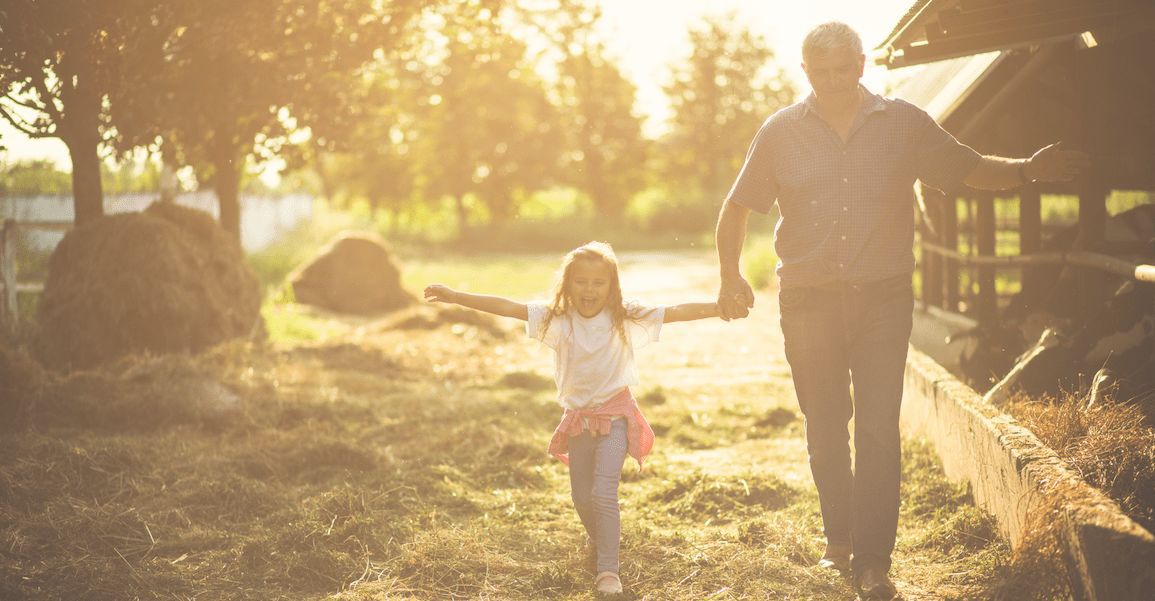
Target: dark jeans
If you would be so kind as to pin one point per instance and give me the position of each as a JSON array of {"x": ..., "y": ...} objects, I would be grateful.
[{"x": 839, "y": 335}]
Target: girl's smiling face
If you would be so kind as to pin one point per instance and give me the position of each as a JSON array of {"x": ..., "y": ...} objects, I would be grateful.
[{"x": 588, "y": 287}]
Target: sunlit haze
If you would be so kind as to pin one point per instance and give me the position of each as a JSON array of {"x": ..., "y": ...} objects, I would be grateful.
[{"x": 647, "y": 36}]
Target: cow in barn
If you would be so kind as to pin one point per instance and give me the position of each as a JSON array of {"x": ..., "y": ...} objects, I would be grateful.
[{"x": 1052, "y": 340}]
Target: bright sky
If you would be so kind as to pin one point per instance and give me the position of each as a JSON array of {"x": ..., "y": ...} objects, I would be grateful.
[{"x": 648, "y": 35}]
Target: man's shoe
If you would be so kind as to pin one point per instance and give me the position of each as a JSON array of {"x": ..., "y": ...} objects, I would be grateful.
[
  {"x": 608, "y": 583},
  {"x": 873, "y": 584},
  {"x": 836, "y": 557}
]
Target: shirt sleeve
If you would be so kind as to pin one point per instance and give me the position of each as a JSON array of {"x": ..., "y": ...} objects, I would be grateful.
[
  {"x": 535, "y": 325},
  {"x": 643, "y": 324},
  {"x": 941, "y": 161},
  {"x": 756, "y": 187}
]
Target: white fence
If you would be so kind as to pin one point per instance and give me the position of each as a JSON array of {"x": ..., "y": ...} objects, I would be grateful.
[
  {"x": 40, "y": 222},
  {"x": 263, "y": 219}
]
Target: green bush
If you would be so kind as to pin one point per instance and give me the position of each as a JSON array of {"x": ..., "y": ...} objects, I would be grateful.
[{"x": 759, "y": 261}]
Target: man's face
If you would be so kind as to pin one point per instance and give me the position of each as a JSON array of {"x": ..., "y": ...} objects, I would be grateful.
[{"x": 834, "y": 72}]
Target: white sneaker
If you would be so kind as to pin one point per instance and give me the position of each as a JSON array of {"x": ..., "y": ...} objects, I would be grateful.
[{"x": 608, "y": 583}]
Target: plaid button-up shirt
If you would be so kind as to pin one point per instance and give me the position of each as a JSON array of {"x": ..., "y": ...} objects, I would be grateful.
[{"x": 847, "y": 208}]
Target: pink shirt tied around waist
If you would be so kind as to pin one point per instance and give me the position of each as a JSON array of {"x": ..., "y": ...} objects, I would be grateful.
[{"x": 639, "y": 435}]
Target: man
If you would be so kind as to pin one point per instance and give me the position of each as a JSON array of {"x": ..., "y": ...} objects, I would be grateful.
[{"x": 841, "y": 165}]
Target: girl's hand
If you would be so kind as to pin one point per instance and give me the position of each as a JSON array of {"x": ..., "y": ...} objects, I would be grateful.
[{"x": 436, "y": 293}]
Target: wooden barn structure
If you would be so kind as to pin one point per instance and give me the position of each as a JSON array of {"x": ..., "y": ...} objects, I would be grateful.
[{"x": 1009, "y": 77}]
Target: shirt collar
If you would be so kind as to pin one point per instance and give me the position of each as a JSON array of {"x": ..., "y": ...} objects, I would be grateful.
[{"x": 871, "y": 103}]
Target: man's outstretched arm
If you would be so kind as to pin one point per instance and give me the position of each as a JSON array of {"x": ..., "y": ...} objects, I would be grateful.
[{"x": 1050, "y": 164}]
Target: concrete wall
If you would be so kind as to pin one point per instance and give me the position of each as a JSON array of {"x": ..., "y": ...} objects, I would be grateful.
[{"x": 1014, "y": 477}]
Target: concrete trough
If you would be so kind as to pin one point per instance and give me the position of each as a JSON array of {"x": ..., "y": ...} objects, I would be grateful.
[{"x": 1014, "y": 476}]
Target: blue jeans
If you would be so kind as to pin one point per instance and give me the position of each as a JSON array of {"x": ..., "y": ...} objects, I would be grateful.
[
  {"x": 595, "y": 469},
  {"x": 839, "y": 335}
]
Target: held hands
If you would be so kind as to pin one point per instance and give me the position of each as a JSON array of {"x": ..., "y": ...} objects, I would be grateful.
[
  {"x": 436, "y": 293},
  {"x": 1054, "y": 164},
  {"x": 735, "y": 298}
]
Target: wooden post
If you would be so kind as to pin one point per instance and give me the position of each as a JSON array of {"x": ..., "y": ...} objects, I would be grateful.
[
  {"x": 1030, "y": 238},
  {"x": 1092, "y": 230},
  {"x": 8, "y": 307},
  {"x": 985, "y": 236},
  {"x": 932, "y": 263},
  {"x": 950, "y": 240}
]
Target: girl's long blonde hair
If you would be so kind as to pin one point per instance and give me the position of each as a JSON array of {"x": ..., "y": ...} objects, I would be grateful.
[{"x": 562, "y": 303}]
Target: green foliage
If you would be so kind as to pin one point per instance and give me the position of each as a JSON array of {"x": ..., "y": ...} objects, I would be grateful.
[
  {"x": 606, "y": 151},
  {"x": 273, "y": 263},
  {"x": 684, "y": 211},
  {"x": 35, "y": 178},
  {"x": 720, "y": 96},
  {"x": 129, "y": 176},
  {"x": 759, "y": 261},
  {"x": 486, "y": 126}
]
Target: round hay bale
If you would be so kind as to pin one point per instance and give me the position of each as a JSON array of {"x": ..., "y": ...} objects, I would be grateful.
[
  {"x": 355, "y": 274},
  {"x": 166, "y": 280}
]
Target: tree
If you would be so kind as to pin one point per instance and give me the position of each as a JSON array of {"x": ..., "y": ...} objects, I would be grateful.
[
  {"x": 59, "y": 61},
  {"x": 720, "y": 97},
  {"x": 237, "y": 75},
  {"x": 487, "y": 127},
  {"x": 606, "y": 151}
]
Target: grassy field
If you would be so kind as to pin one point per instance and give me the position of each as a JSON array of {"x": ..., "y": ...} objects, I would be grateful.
[{"x": 404, "y": 458}]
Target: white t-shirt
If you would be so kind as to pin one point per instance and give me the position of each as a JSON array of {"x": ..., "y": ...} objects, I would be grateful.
[{"x": 591, "y": 361}]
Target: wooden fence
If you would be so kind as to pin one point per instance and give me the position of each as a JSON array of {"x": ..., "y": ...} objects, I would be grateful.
[
  {"x": 942, "y": 262},
  {"x": 10, "y": 284}
]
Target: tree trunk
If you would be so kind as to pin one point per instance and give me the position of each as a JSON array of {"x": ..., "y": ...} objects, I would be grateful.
[
  {"x": 227, "y": 184},
  {"x": 322, "y": 174},
  {"x": 462, "y": 216},
  {"x": 87, "y": 192},
  {"x": 169, "y": 184},
  {"x": 80, "y": 132}
]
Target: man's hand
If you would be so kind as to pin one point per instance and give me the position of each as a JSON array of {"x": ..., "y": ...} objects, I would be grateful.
[
  {"x": 436, "y": 293},
  {"x": 1054, "y": 164},
  {"x": 735, "y": 298}
]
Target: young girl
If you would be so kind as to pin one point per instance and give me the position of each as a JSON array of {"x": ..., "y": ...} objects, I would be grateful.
[{"x": 593, "y": 334}]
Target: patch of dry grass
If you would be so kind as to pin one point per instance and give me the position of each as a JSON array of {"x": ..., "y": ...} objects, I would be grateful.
[{"x": 409, "y": 463}]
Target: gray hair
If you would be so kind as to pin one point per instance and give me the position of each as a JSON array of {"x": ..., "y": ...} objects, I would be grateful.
[{"x": 831, "y": 36}]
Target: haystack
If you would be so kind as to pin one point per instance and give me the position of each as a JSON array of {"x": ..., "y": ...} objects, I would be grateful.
[
  {"x": 353, "y": 274},
  {"x": 166, "y": 280}
]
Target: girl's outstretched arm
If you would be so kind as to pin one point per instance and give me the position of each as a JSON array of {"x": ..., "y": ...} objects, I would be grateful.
[
  {"x": 436, "y": 293},
  {"x": 690, "y": 312}
]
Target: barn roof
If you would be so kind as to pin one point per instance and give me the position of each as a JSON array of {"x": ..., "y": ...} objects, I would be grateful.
[{"x": 934, "y": 30}]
